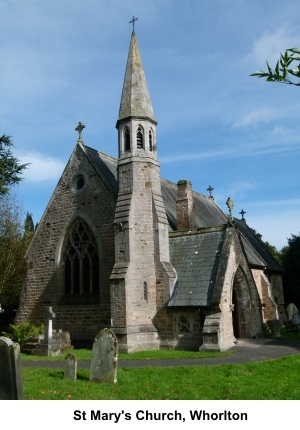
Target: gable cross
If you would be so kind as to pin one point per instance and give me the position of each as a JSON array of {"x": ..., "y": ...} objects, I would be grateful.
[
  {"x": 79, "y": 128},
  {"x": 210, "y": 190},
  {"x": 242, "y": 213},
  {"x": 133, "y": 21}
]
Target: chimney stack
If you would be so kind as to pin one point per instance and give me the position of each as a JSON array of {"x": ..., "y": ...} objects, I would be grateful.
[{"x": 185, "y": 206}]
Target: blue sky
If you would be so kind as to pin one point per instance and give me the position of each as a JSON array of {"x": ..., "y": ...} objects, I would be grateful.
[{"x": 63, "y": 61}]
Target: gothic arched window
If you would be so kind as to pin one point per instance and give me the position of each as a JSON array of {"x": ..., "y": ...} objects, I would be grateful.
[
  {"x": 139, "y": 138},
  {"x": 127, "y": 138},
  {"x": 81, "y": 260},
  {"x": 150, "y": 140}
]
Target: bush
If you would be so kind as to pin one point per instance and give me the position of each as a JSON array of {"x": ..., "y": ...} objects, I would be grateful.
[{"x": 21, "y": 333}]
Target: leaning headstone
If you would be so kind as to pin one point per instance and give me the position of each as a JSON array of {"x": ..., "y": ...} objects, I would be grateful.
[
  {"x": 70, "y": 367},
  {"x": 11, "y": 384},
  {"x": 104, "y": 361}
]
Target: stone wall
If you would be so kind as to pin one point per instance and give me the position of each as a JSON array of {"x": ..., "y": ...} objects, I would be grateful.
[
  {"x": 234, "y": 277},
  {"x": 45, "y": 265}
]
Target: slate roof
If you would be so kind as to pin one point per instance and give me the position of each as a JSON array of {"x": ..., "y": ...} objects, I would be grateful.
[
  {"x": 207, "y": 215},
  {"x": 207, "y": 212},
  {"x": 195, "y": 258},
  {"x": 257, "y": 253}
]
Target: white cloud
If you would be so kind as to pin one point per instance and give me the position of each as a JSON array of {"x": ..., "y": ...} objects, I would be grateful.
[
  {"x": 41, "y": 167},
  {"x": 256, "y": 117},
  {"x": 269, "y": 46},
  {"x": 239, "y": 188}
]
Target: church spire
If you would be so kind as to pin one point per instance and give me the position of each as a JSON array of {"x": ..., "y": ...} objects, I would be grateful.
[{"x": 135, "y": 100}]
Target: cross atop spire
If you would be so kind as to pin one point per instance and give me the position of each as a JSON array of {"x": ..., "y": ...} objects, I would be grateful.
[{"x": 133, "y": 21}]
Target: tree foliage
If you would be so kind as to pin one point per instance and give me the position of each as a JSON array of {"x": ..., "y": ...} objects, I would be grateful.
[
  {"x": 286, "y": 70},
  {"x": 14, "y": 240},
  {"x": 10, "y": 168},
  {"x": 290, "y": 256},
  {"x": 22, "y": 332},
  {"x": 271, "y": 248}
]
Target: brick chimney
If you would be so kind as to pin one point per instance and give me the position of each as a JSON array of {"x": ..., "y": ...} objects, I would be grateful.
[{"x": 185, "y": 206}]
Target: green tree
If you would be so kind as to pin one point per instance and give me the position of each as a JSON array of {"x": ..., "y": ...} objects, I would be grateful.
[
  {"x": 286, "y": 71},
  {"x": 290, "y": 256},
  {"x": 271, "y": 248},
  {"x": 28, "y": 227},
  {"x": 14, "y": 240},
  {"x": 10, "y": 168}
]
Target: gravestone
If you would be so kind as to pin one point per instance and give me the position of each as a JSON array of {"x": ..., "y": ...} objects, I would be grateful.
[
  {"x": 70, "y": 367},
  {"x": 104, "y": 361},
  {"x": 291, "y": 311},
  {"x": 54, "y": 342},
  {"x": 11, "y": 385},
  {"x": 48, "y": 326}
]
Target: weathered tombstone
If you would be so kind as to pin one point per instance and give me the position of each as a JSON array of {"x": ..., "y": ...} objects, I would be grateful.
[
  {"x": 70, "y": 367},
  {"x": 11, "y": 384},
  {"x": 104, "y": 361},
  {"x": 291, "y": 311},
  {"x": 54, "y": 342}
]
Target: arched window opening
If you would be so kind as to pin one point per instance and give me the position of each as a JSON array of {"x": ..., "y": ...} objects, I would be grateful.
[
  {"x": 150, "y": 141},
  {"x": 127, "y": 139},
  {"x": 139, "y": 138},
  {"x": 81, "y": 260}
]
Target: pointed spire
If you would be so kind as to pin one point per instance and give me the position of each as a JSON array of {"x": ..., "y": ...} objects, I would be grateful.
[{"x": 135, "y": 100}]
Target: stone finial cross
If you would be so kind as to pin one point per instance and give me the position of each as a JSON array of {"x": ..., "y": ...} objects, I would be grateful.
[
  {"x": 79, "y": 128},
  {"x": 230, "y": 206},
  {"x": 242, "y": 213},
  {"x": 48, "y": 326},
  {"x": 210, "y": 190},
  {"x": 133, "y": 21}
]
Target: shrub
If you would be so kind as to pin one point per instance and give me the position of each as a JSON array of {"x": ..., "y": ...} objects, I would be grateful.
[{"x": 21, "y": 333}]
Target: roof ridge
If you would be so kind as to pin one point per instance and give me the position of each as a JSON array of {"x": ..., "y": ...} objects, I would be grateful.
[{"x": 102, "y": 154}]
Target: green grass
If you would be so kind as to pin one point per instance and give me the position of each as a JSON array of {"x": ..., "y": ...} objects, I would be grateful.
[
  {"x": 86, "y": 354},
  {"x": 271, "y": 380}
]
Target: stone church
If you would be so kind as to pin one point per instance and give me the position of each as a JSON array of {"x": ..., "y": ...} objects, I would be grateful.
[{"x": 160, "y": 264}]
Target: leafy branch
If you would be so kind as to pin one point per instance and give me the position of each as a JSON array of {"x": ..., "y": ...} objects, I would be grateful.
[
  {"x": 284, "y": 70},
  {"x": 10, "y": 168}
]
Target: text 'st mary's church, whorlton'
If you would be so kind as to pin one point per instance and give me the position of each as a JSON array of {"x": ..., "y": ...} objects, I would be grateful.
[{"x": 161, "y": 265}]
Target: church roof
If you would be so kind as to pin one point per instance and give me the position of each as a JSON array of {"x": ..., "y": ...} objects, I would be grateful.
[
  {"x": 135, "y": 99},
  {"x": 207, "y": 213},
  {"x": 257, "y": 253},
  {"x": 196, "y": 259}
]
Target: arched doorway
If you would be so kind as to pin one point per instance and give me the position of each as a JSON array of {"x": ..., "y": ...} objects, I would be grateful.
[
  {"x": 235, "y": 315},
  {"x": 241, "y": 309}
]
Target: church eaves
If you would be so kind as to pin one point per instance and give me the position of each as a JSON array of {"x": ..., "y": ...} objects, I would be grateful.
[{"x": 135, "y": 100}]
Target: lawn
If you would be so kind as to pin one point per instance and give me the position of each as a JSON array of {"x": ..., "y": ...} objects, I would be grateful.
[{"x": 271, "y": 380}]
